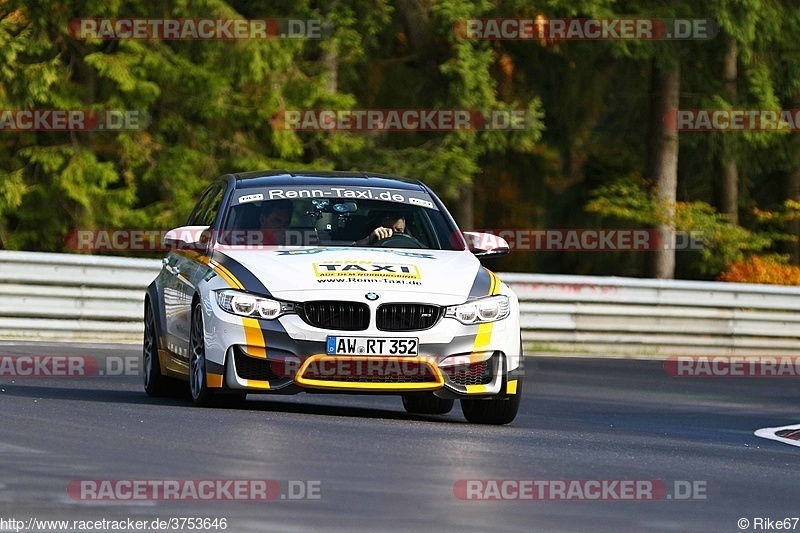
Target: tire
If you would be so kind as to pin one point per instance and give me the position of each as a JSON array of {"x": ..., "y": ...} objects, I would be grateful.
[
  {"x": 495, "y": 412},
  {"x": 202, "y": 396},
  {"x": 156, "y": 384},
  {"x": 426, "y": 403}
]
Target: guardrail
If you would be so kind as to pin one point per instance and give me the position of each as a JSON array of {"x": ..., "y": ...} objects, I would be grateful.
[
  {"x": 75, "y": 297},
  {"x": 656, "y": 317},
  {"x": 78, "y": 297}
]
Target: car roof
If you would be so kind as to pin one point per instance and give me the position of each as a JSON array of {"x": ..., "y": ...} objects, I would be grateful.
[{"x": 273, "y": 178}]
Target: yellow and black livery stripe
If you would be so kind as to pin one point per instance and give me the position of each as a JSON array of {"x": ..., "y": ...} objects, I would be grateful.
[
  {"x": 237, "y": 277},
  {"x": 486, "y": 283}
]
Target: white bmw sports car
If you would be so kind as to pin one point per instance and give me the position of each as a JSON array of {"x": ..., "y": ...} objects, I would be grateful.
[{"x": 286, "y": 282}]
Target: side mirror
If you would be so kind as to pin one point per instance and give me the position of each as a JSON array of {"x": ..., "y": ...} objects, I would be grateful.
[
  {"x": 188, "y": 238},
  {"x": 485, "y": 244}
]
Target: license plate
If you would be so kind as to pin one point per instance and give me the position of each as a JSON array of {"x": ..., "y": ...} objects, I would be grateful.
[{"x": 372, "y": 346}]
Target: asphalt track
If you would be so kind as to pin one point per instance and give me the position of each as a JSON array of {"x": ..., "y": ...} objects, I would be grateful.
[{"x": 381, "y": 469}]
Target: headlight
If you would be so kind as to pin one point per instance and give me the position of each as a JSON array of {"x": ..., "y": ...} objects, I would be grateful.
[
  {"x": 479, "y": 311},
  {"x": 245, "y": 304}
]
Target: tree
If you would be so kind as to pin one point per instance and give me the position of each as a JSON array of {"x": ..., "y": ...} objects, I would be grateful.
[
  {"x": 728, "y": 182},
  {"x": 662, "y": 161}
]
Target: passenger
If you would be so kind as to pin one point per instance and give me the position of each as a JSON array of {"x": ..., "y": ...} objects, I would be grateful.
[{"x": 276, "y": 217}]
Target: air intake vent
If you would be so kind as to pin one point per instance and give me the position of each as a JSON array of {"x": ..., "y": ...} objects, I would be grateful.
[
  {"x": 407, "y": 317},
  {"x": 343, "y": 316}
]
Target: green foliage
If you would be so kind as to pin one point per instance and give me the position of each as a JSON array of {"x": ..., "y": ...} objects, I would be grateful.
[
  {"x": 723, "y": 243},
  {"x": 211, "y": 105}
]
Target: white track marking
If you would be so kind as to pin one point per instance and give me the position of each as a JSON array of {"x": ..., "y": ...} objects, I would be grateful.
[
  {"x": 770, "y": 433},
  {"x": 9, "y": 449}
]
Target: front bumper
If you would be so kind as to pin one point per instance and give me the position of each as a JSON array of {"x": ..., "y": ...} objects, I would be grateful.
[
  {"x": 287, "y": 356},
  {"x": 482, "y": 374}
]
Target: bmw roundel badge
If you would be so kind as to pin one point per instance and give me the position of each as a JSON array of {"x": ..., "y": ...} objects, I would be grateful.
[{"x": 371, "y": 296}]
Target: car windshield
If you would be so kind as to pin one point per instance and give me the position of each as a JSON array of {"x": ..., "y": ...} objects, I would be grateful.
[{"x": 337, "y": 216}]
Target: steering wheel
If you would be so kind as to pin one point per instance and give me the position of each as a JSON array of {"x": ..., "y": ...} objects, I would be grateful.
[{"x": 399, "y": 240}]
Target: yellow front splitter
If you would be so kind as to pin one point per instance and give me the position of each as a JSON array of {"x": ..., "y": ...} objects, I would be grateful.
[{"x": 344, "y": 366}]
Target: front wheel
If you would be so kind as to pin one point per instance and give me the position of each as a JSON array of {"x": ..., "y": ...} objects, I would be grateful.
[
  {"x": 202, "y": 396},
  {"x": 497, "y": 411}
]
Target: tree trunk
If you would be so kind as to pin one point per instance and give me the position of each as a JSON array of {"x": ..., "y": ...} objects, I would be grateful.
[
  {"x": 417, "y": 23},
  {"x": 728, "y": 179},
  {"x": 465, "y": 214},
  {"x": 793, "y": 190},
  {"x": 330, "y": 59},
  {"x": 662, "y": 164}
]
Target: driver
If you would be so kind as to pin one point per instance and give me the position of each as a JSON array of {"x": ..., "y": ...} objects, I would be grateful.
[{"x": 391, "y": 223}]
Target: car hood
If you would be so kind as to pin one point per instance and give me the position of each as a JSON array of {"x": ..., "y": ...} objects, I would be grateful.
[{"x": 444, "y": 276}]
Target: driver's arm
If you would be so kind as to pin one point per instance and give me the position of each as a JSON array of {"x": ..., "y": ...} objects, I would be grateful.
[{"x": 377, "y": 234}]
